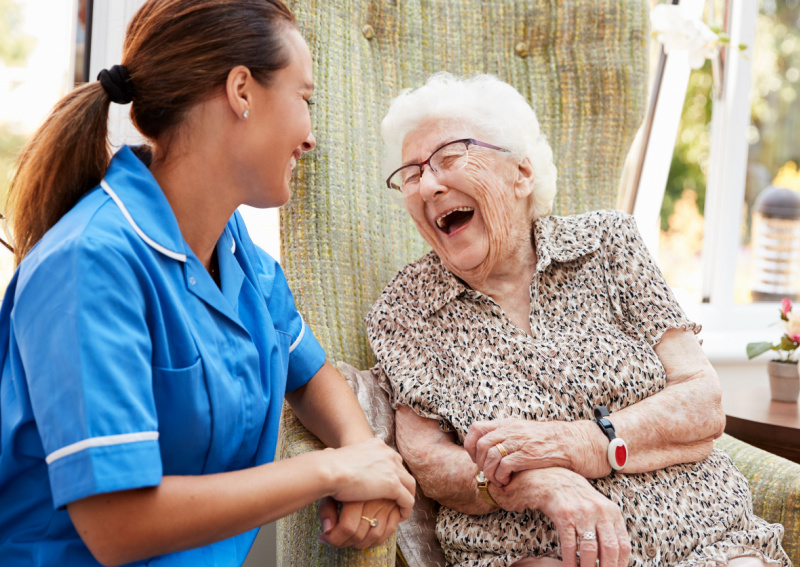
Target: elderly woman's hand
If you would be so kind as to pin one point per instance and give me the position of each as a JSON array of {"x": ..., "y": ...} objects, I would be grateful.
[
  {"x": 576, "y": 509},
  {"x": 533, "y": 445}
]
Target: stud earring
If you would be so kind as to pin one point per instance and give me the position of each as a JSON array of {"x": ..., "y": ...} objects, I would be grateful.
[{"x": 246, "y": 113}]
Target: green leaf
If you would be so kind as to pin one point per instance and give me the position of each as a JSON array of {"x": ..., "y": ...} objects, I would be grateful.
[
  {"x": 754, "y": 349},
  {"x": 787, "y": 344}
]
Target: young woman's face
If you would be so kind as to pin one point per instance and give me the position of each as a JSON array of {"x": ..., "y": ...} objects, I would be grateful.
[{"x": 281, "y": 125}]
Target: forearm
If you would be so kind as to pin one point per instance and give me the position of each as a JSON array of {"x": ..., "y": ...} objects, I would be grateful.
[
  {"x": 676, "y": 425},
  {"x": 327, "y": 407},
  {"x": 190, "y": 511},
  {"x": 443, "y": 469}
]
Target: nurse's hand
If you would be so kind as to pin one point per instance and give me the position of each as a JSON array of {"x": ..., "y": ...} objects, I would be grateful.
[
  {"x": 352, "y": 525},
  {"x": 371, "y": 470}
]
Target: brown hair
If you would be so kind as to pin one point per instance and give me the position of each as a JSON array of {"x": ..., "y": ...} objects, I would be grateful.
[{"x": 177, "y": 53}]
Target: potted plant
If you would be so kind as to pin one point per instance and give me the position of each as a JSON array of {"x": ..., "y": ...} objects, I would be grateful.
[{"x": 784, "y": 379}]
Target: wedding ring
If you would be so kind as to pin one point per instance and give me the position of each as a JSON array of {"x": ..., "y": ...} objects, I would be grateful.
[
  {"x": 371, "y": 521},
  {"x": 502, "y": 450},
  {"x": 589, "y": 535}
]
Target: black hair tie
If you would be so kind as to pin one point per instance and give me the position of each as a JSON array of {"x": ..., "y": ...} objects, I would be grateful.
[{"x": 117, "y": 83}]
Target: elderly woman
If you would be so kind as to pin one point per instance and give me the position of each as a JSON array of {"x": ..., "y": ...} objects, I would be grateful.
[{"x": 549, "y": 354}]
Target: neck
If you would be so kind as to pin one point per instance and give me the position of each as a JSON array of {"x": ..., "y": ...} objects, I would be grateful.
[
  {"x": 196, "y": 188},
  {"x": 506, "y": 278}
]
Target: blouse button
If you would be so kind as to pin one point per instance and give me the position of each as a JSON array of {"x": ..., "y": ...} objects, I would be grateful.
[
  {"x": 651, "y": 551},
  {"x": 629, "y": 493},
  {"x": 579, "y": 399},
  {"x": 192, "y": 280}
]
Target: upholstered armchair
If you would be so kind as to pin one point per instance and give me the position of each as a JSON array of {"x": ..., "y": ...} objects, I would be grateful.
[{"x": 583, "y": 67}]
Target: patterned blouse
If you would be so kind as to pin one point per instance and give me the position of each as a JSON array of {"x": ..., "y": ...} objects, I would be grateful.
[{"x": 599, "y": 305}]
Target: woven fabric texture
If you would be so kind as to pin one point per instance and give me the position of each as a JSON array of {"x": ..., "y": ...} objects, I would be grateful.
[
  {"x": 582, "y": 66},
  {"x": 775, "y": 486}
]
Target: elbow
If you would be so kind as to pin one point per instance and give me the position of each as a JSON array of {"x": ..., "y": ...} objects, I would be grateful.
[
  {"x": 717, "y": 413},
  {"x": 102, "y": 537},
  {"x": 106, "y": 554}
]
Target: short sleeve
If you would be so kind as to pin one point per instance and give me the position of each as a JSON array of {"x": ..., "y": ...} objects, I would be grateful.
[
  {"x": 306, "y": 355},
  {"x": 411, "y": 373},
  {"x": 645, "y": 303},
  {"x": 83, "y": 343}
]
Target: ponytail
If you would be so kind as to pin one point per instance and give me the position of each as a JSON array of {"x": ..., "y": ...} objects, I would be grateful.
[
  {"x": 176, "y": 54},
  {"x": 68, "y": 155}
]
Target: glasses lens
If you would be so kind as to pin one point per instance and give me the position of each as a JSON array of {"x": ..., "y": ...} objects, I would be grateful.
[
  {"x": 450, "y": 157},
  {"x": 405, "y": 179}
]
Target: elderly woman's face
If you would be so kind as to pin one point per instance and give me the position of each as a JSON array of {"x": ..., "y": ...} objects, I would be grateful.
[{"x": 468, "y": 215}]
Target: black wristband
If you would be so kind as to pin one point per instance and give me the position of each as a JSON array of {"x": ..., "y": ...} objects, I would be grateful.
[{"x": 617, "y": 448}]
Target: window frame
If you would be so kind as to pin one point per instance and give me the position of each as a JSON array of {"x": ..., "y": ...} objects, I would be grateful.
[{"x": 727, "y": 327}]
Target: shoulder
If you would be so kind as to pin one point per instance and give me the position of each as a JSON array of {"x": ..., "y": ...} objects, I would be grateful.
[
  {"x": 417, "y": 290},
  {"x": 93, "y": 231},
  {"x": 599, "y": 222}
]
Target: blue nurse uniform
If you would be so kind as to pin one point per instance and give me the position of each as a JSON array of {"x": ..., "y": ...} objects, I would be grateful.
[{"x": 122, "y": 361}]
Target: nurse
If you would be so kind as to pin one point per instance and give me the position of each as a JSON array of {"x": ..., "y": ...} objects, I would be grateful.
[{"x": 146, "y": 344}]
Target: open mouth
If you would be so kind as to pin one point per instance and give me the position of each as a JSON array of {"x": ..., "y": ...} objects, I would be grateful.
[{"x": 452, "y": 221}]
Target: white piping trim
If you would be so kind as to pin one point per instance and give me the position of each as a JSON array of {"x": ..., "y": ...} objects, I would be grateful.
[
  {"x": 167, "y": 252},
  {"x": 299, "y": 337},
  {"x": 103, "y": 441}
]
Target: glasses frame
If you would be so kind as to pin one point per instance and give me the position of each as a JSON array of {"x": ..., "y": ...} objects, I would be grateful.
[{"x": 421, "y": 165}]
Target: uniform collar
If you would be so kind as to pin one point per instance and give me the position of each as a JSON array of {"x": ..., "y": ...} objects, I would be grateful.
[
  {"x": 558, "y": 239},
  {"x": 133, "y": 188}
]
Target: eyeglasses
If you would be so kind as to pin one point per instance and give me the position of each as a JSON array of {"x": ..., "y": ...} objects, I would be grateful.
[{"x": 450, "y": 157}]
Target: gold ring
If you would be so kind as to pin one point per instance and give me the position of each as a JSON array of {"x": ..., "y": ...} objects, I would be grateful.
[
  {"x": 502, "y": 450},
  {"x": 372, "y": 521}
]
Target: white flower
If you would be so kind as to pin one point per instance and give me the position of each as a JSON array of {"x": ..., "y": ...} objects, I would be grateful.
[{"x": 676, "y": 29}]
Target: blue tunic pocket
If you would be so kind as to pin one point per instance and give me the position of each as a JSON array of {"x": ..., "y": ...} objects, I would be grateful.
[{"x": 184, "y": 418}]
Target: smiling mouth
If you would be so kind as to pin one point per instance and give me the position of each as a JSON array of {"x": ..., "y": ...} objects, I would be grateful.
[{"x": 453, "y": 220}]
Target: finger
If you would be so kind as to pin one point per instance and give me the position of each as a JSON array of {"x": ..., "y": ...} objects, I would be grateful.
[
  {"x": 392, "y": 522},
  {"x": 328, "y": 514},
  {"x": 624, "y": 539},
  {"x": 587, "y": 546},
  {"x": 506, "y": 467},
  {"x": 348, "y": 525},
  {"x": 477, "y": 430},
  {"x": 404, "y": 497},
  {"x": 491, "y": 464},
  {"x": 407, "y": 480},
  {"x": 569, "y": 547},
  {"x": 608, "y": 544},
  {"x": 374, "y": 533}
]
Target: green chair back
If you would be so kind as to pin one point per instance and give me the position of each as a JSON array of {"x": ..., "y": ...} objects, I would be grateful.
[{"x": 583, "y": 67}]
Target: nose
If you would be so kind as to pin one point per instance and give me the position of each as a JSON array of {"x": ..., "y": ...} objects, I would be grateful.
[
  {"x": 309, "y": 143},
  {"x": 429, "y": 185}
]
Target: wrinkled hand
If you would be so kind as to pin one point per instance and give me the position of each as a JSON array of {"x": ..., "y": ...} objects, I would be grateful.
[
  {"x": 575, "y": 508},
  {"x": 530, "y": 445},
  {"x": 371, "y": 470},
  {"x": 347, "y": 527}
]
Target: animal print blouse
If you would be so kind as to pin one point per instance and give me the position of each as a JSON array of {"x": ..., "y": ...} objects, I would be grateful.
[{"x": 599, "y": 305}]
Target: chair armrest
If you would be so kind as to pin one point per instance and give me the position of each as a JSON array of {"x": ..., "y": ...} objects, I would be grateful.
[
  {"x": 775, "y": 486},
  {"x": 297, "y": 534}
]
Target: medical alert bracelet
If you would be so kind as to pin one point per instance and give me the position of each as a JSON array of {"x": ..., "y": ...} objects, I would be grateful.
[{"x": 617, "y": 449}]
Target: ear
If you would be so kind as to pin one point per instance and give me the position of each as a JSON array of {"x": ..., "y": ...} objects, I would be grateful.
[
  {"x": 238, "y": 89},
  {"x": 523, "y": 185}
]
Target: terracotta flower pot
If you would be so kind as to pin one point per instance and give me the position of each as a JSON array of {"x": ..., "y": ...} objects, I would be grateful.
[{"x": 784, "y": 381}]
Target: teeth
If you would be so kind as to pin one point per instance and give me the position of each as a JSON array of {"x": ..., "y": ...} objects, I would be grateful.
[
  {"x": 292, "y": 163},
  {"x": 440, "y": 220}
]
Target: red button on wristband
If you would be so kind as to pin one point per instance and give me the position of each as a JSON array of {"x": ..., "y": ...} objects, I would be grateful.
[{"x": 617, "y": 454}]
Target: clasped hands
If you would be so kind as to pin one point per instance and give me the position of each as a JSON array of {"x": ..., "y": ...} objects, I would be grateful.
[{"x": 543, "y": 466}]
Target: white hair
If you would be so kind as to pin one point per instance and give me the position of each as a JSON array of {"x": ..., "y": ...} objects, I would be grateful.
[{"x": 493, "y": 107}]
